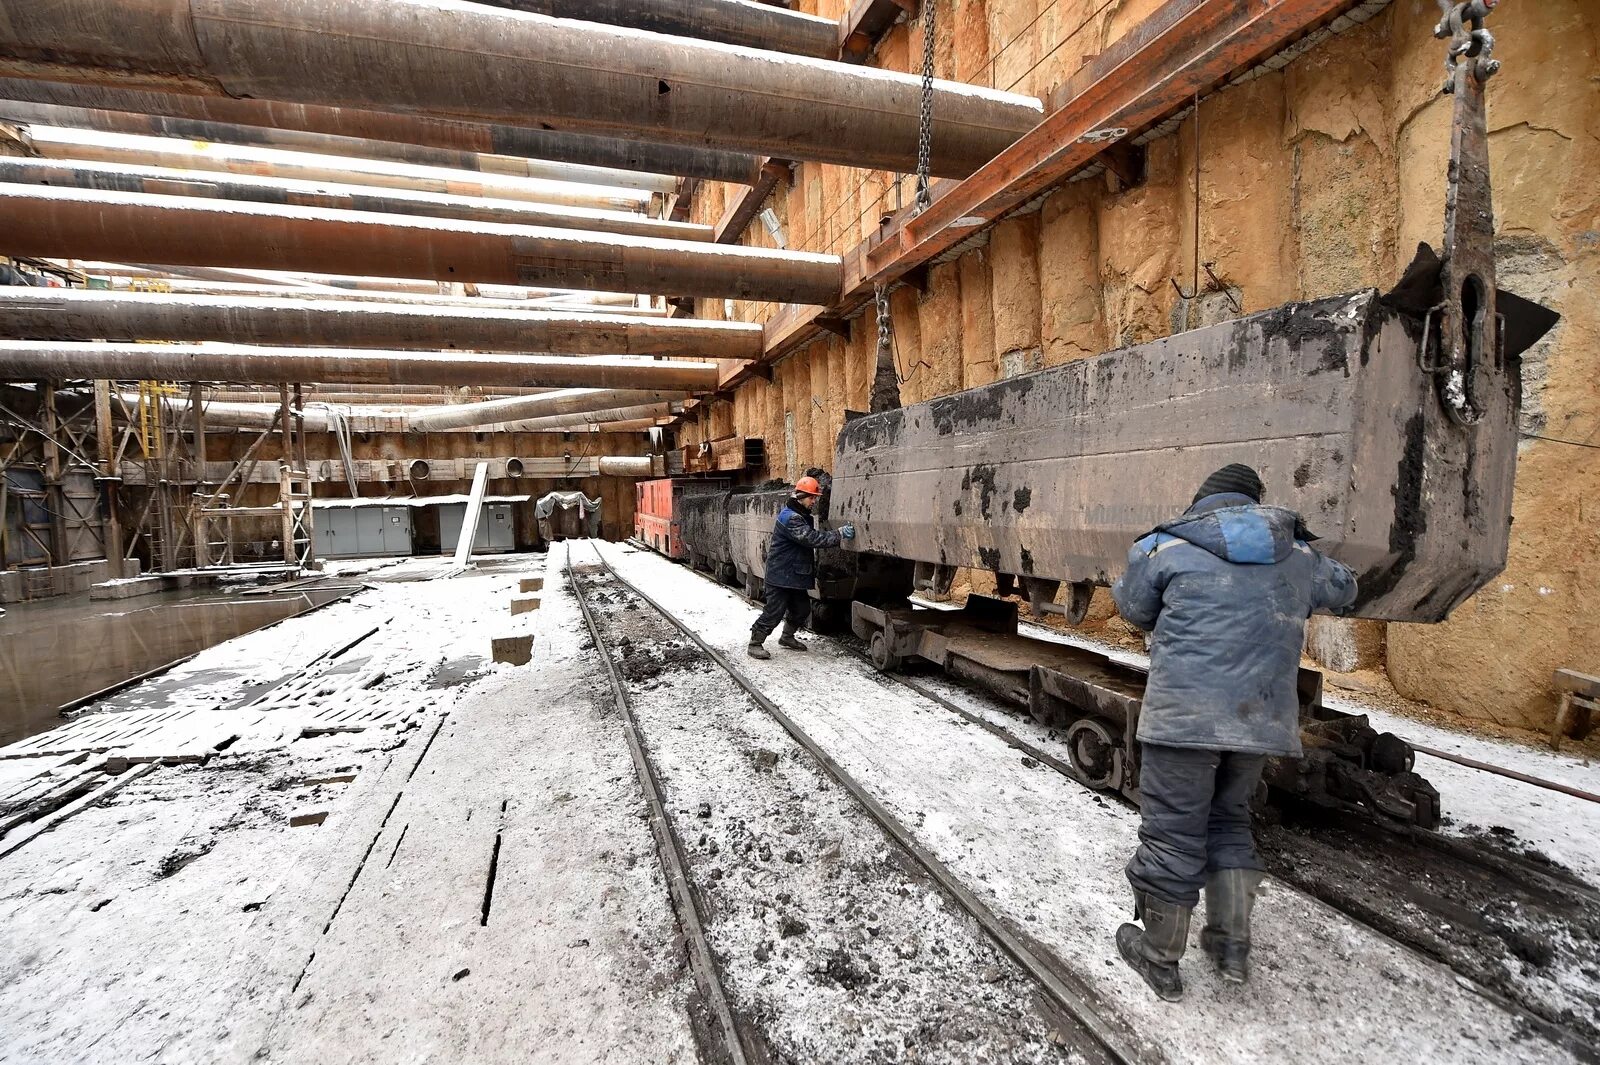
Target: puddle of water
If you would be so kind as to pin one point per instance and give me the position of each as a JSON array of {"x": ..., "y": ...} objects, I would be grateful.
[
  {"x": 58, "y": 650},
  {"x": 457, "y": 671}
]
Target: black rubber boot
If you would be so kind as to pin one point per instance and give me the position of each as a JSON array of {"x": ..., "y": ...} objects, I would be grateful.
[
  {"x": 1230, "y": 896},
  {"x": 1153, "y": 951},
  {"x": 755, "y": 650},
  {"x": 789, "y": 640}
]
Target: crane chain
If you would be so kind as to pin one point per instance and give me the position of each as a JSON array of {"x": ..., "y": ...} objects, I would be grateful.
[{"x": 925, "y": 114}]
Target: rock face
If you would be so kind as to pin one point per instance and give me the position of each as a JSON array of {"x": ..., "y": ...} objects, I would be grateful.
[{"x": 1316, "y": 179}]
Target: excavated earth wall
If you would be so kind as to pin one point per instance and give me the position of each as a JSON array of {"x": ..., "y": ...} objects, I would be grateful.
[{"x": 1315, "y": 179}]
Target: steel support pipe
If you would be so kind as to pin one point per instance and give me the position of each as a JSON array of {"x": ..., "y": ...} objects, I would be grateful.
[
  {"x": 576, "y": 406},
  {"x": 39, "y": 360},
  {"x": 593, "y": 418},
  {"x": 112, "y": 177},
  {"x": 429, "y": 57},
  {"x": 156, "y": 126},
  {"x": 580, "y": 401},
  {"x": 736, "y": 22},
  {"x": 178, "y": 231},
  {"x": 87, "y": 314},
  {"x": 278, "y": 125},
  {"x": 52, "y": 143}
]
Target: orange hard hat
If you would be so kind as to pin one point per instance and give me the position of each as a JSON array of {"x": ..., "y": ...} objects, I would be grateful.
[{"x": 808, "y": 486}]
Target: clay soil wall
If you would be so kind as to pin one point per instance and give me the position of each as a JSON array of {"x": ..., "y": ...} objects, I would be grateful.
[{"x": 1315, "y": 179}]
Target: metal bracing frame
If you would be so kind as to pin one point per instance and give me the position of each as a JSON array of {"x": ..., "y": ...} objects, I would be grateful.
[{"x": 53, "y": 442}]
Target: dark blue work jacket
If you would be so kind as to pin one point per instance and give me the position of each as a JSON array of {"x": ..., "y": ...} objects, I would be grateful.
[{"x": 792, "y": 552}]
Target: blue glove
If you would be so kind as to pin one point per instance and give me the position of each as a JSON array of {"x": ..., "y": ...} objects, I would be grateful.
[{"x": 847, "y": 531}]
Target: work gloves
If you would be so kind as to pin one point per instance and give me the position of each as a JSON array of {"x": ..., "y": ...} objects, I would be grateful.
[{"x": 847, "y": 531}]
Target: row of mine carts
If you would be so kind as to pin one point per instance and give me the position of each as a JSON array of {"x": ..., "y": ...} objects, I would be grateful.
[{"x": 1089, "y": 697}]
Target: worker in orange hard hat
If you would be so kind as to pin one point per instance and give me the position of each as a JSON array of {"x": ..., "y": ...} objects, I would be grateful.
[{"x": 792, "y": 567}]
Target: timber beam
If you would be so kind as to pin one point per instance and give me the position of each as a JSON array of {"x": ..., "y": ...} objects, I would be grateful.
[
  {"x": 427, "y": 58},
  {"x": 178, "y": 231},
  {"x": 746, "y": 203},
  {"x": 865, "y": 23},
  {"x": 279, "y": 124},
  {"x": 85, "y": 314}
]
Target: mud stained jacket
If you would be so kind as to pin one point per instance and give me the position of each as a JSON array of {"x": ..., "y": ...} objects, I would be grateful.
[
  {"x": 1227, "y": 589},
  {"x": 792, "y": 552}
]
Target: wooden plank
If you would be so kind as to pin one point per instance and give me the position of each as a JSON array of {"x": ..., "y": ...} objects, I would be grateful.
[
  {"x": 865, "y": 23},
  {"x": 1570, "y": 680}
]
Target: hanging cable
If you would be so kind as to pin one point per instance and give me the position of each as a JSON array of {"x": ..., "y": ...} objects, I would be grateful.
[
  {"x": 925, "y": 113},
  {"x": 339, "y": 425}
]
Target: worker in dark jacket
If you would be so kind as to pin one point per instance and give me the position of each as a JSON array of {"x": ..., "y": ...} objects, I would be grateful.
[
  {"x": 792, "y": 568},
  {"x": 1226, "y": 589}
]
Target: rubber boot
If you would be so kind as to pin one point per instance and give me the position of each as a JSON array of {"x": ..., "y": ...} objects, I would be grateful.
[
  {"x": 755, "y": 650},
  {"x": 1153, "y": 951},
  {"x": 789, "y": 640},
  {"x": 1230, "y": 896}
]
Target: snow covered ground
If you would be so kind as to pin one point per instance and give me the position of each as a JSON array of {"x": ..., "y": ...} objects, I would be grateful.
[
  {"x": 478, "y": 883},
  {"x": 1049, "y": 853}
]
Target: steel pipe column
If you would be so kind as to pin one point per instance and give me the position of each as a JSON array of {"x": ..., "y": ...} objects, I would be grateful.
[
  {"x": 29, "y": 114},
  {"x": 428, "y": 56},
  {"x": 279, "y": 125},
  {"x": 84, "y": 314},
  {"x": 738, "y": 22},
  {"x": 33, "y": 360},
  {"x": 177, "y": 231},
  {"x": 109, "y": 177}
]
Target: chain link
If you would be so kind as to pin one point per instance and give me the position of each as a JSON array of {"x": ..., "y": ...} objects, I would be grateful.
[
  {"x": 880, "y": 296},
  {"x": 925, "y": 115},
  {"x": 1462, "y": 24}
]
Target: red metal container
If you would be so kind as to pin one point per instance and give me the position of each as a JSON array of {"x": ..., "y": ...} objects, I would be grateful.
[{"x": 655, "y": 518}]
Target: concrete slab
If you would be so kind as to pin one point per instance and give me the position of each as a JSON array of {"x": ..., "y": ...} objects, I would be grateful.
[
  {"x": 523, "y": 606},
  {"x": 513, "y": 650}
]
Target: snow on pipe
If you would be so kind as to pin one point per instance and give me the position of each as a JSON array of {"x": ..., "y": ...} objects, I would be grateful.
[
  {"x": 469, "y": 143},
  {"x": 568, "y": 408},
  {"x": 737, "y": 22},
  {"x": 90, "y": 147},
  {"x": 428, "y": 57},
  {"x": 37, "y": 360},
  {"x": 124, "y": 177},
  {"x": 89, "y": 314},
  {"x": 581, "y": 402},
  {"x": 156, "y": 126},
  {"x": 180, "y": 231}
]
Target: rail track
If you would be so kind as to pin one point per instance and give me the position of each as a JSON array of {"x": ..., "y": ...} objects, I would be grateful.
[
  {"x": 1460, "y": 903},
  {"x": 1505, "y": 923},
  {"x": 1085, "y": 1028}
]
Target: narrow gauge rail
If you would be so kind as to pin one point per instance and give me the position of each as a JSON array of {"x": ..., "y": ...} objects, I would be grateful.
[
  {"x": 1104, "y": 1039},
  {"x": 1461, "y": 863},
  {"x": 1447, "y": 860}
]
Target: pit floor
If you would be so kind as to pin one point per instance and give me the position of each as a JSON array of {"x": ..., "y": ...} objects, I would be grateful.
[{"x": 310, "y": 894}]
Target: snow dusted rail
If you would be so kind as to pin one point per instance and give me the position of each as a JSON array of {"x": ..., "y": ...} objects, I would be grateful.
[
  {"x": 732, "y": 1036},
  {"x": 1101, "y": 1038}
]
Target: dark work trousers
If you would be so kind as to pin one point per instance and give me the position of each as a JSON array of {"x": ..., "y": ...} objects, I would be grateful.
[
  {"x": 1194, "y": 819},
  {"x": 793, "y": 604}
]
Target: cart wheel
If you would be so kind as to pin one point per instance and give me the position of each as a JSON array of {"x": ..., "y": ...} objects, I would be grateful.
[
  {"x": 882, "y": 655},
  {"x": 1094, "y": 753}
]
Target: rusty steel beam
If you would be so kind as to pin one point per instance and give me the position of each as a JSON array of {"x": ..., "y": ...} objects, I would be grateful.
[
  {"x": 278, "y": 125},
  {"x": 84, "y": 314},
  {"x": 178, "y": 231},
  {"x": 430, "y": 58},
  {"x": 156, "y": 126},
  {"x": 1183, "y": 47},
  {"x": 116, "y": 177},
  {"x": 44, "y": 360},
  {"x": 736, "y": 22},
  {"x": 745, "y": 203},
  {"x": 52, "y": 143}
]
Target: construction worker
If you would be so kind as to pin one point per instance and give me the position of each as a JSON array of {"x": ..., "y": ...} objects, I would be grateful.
[
  {"x": 792, "y": 568},
  {"x": 1226, "y": 589}
]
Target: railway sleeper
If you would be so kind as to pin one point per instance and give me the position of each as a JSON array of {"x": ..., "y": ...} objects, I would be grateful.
[{"x": 1095, "y": 701}]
